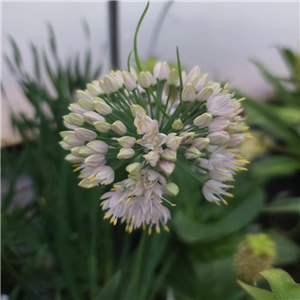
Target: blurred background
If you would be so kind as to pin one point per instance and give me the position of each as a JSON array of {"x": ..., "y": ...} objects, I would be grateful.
[{"x": 55, "y": 244}]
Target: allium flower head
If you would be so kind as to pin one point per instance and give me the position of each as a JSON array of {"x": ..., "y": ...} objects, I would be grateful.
[{"x": 151, "y": 123}]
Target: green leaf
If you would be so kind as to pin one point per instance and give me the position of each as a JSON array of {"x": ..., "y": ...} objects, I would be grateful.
[
  {"x": 289, "y": 57},
  {"x": 257, "y": 293},
  {"x": 191, "y": 231},
  {"x": 282, "y": 285},
  {"x": 289, "y": 205},
  {"x": 109, "y": 290},
  {"x": 275, "y": 166},
  {"x": 286, "y": 250}
]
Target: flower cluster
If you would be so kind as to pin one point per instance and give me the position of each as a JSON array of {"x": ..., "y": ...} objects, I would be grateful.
[{"x": 150, "y": 123}]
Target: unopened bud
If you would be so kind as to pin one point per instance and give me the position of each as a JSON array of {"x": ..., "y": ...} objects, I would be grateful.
[
  {"x": 101, "y": 106},
  {"x": 177, "y": 125},
  {"x": 204, "y": 94},
  {"x": 112, "y": 83},
  {"x": 218, "y": 125},
  {"x": 144, "y": 80},
  {"x": 125, "y": 153},
  {"x": 118, "y": 127},
  {"x": 134, "y": 168},
  {"x": 172, "y": 188},
  {"x": 91, "y": 117},
  {"x": 203, "y": 120},
  {"x": 200, "y": 143},
  {"x": 102, "y": 126},
  {"x": 192, "y": 153},
  {"x": 173, "y": 77},
  {"x": 129, "y": 81},
  {"x": 167, "y": 167},
  {"x": 126, "y": 141},
  {"x": 137, "y": 109},
  {"x": 169, "y": 154},
  {"x": 74, "y": 159},
  {"x": 187, "y": 137},
  {"x": 218, "y": 138},
  {"x": 98, "y": 146},
  {"x": 76, "y": 119},
  {"x": 86, "y": 104},
  {"x": 189, "y": 93},
  {"x": 82, "y": 95},
  {"x": 152, "y": 158},
  {"x": 85, "y": 134}
]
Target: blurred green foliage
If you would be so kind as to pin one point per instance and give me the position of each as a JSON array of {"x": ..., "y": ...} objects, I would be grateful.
[{"x": 57, "y": 245}]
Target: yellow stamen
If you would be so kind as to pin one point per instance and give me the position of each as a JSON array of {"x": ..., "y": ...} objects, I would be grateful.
[
  {"x": 156, "y": 138},
  {"x": 91, "y": 185},
  {"x": 225, "y": 86},
  {"x": 120, "y": 199},
  {"x": 128, "y": 200},
  {"x": 157, "y": 229},
  {"x": 173, "y": 204},
  {"x": 166, "y": 228},
  {"x": 80, "y": 176},
  {"x": 130, "y": 229},
  {"x": 229, "y": 195},
  {"x": 76, "y": 165},
  {"x": 243, "y": 169},
  {"x": 144, "y": 226},
  {"x": 245, "y": 128},
  {"x": 151, "y": 131},
  {"x": 77, "y": 169},
  {"x": 242, "y": 99},
  {"x": 115, "y": 221},
  {"x": 103, "y": 182},
  {"x": 139, "y": 140},
  {"x": 238, "y": 155},
  {"x": 149, "y": 230},
  {"x": 233, "y": 93},
  {"x": 93, "y": 179},
  {"x": 138, "y": 120},
  {"x": 102, "y": 202},
  {"x": 130, "y": 194},
  {"x": 144, "y": 114},
  {"x": 231, "y": 186},
  {"x": 126, "y": 228},
  {"x": 131, "y": 188},
  {"x": 217, "y": 203},
  {"x": 224, "y": 201}
]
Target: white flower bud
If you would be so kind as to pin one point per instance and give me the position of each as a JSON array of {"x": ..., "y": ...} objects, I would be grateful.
[
  {"x": 68, "y": 125},
  {"x": 118, "y": 75},
  {"x": 125, "y": 153},
  {"x": 173, "y": 77},
  {"x": 74, "y": 159},
  {"x": 76, "y": 108},
  {"x": 218, "y": 138},
  {"x": 75, "y": 150},
  {"x": 63, "y": 134},
  {"x": 231, "y": 128},
  {"x": 152, "y": 158},
  {"x": 192, "y": 153},
  {"x": 104, "y": 87},
  {"x": 111, "y": 83},
  {"x": 91, "y": 117},
  {"x": 65, "y": 145},
  {"x": 152, "y": 78},
  {"x": 204, "y": 94},
  {"x": 144, "y": 80},
  {"x": 82, "y": 95},
  {"x": 169, "y": 154},
  {"x": 189, "y": 93},
  {"x": 172, "y": 188},
  {"x": 73, "y": 140},
  {"x": 163, "y": 72},
  {"x": 86, "y": 151},
  {"x": 95, "y": 160},
  {"x": 167, "y": 167},
  {"x": 134, "y": 168},
  {"x": 134, "y": 73},
  {"x": 94, "y": 89},
  {"x": 85, "y": 134},
  {"x": 156, "y": 69},
  {"x": 76, "y": 119},
  {"x": 102, "y": 126},
  {"x": 101, "y": 106},
  {"x": 177, "y": 125},
  {"x": 137, "y": 109},
  {"x": 98, "y": 146},
  {"x": 218, "y": 125},
  {"x": 203, "y": 120},
  {"x": 126, "y": 141},
  {"x": 118, "y": 127},
  {"x": 235, "y": 140},
  {"x": 200, "y": 143},
  {"x": 187, "y": 137},
  {"x": 196, "y": 71},
  {"x": 129, "y": 81}
]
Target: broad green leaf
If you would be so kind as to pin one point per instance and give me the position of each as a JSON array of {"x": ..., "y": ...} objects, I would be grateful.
[
  {"x": 287, "y": 251},
  {"x": 189, "y": 230},
  {"x": 289, "y": 205},
  {"x": 109, "y": 290},
  {"x": 257, "y": 293},
  {"x": 275, "y": 166},
  {"x": 282, "y": 285}
]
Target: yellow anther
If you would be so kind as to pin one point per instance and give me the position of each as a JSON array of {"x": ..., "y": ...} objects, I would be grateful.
[
  {"x": 132, "y": 188},
  {"x": 242, "y": 99},
  {"x": 230, "y": 150},
  {"x": 91, "y": 185},
  {"x": 139, "y": 127},
  {"x": 233, "y": 93},
  {"x": 155, "y": 132},
  {"x": 166, "y": 228},
  {"x": 217, "y": 202},
  {"x": 144, "y": 225},
  {"x": 231, "y": 102},
  {"x": 231, "y": 186},
  {"x": 139, "y": 140},
  {"x": 93, "y": 179},
  {"x": 77, "y": 169},
  {"x": 224, "y": 201},
  {"x": 223, "y": 169},
  {"x": 103, "y": 182},
  {"x": 226, "y": 85},
  {"x": 151, "y": 131},
  {"x": 102, "y": 202},
  {"x": 133, "y": 218},
  {"x": 156, "y": 148},
  {"x": 149, "y": 230},
  {"x": 130, "y": 229},
  {"x": 80, "y": 176},
  {"x": 229, "y": 195},
  {"x": 138, "y": 120},
  {"x": 76, "y": 165},
  {"x": 148, "y": 140},
  {"x": 130, "y": 194},
  {"x": 238, "y": 155},
  {"x": 115, "y": 221},
  {"x": 120, "y": 199},
  {"x": 112, "y": 220},
  {"x": 157, "y": 229},
  {"x": 126, "y": 228},
  {"x": 128, "y": 200},
  {"x": 245, "y": 128},
  {"x": 173, "y": 204},
  {"x": 243, "y": 169},
  {"x": 144, "y": 114},
  {"x": 156, "y": 138},
  {"x": 249, "y": 135}
]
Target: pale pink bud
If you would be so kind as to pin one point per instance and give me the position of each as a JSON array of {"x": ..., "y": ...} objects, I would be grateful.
[
  {"x": 75, "y": 119},
  {"x": 173, "y": 77},
  {"x": 129, "y": 81},
  {"x": 204, "y": 94},
  {"x": 192, "y": 153},
  {"x": 177, "y": 124},
  {"x": 91, "y": 117},
  {"x": 125, "y": 153},
  {"x": 82, "y": 95},
  {"x": 203, "y": 120},
  {"x": 102, "y": 126},
  {"x": 118, "y": 127},
  {"x": 106, "y": 175},
  {"x": 218, "y": 138},
  {"x": 187, "y": 137},
  {"x": 65, "y": 145},
  {"x": 173, "y": 141},
  {"x": 144, "y": 80},
  {"x": 73, "y": 140},
  {"x": 200, "y": 143},
  {"x": 126, "y": 141},
  {"x": 111, "y": 83},
  {"x": 169, "y": 154},
  {"x": 94, "y": 88},
  {"x": 85, "y": 134},
  {"x": 218, "y": 125},
  {"x": 101, "y": 106},
  {"x": 76, "y": 108},
  {"x": 74, "y": 159},
  {"x": 95, "y": 160},
  {"x": 98, "y": 146},
  {"x": 189, "y": 93}
]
